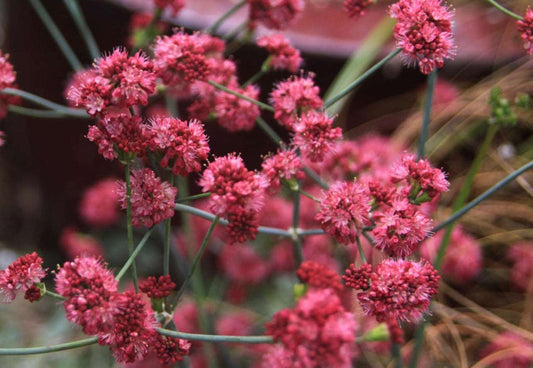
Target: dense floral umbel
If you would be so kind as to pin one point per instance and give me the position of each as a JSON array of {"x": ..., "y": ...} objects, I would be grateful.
[
  {"x": 423, "y": 32},
  {"x": 525, "y": 27},
  {"x": 119, "y": 133},
  {"x": 285, "y": 164},
  {"x": 344, "y": 211},
  {"x": 510, "y": 351},
  {"x": 521, "y": 254},
  {"x": 400, "y": 227},
  {"x": 400, "y": 290},
  {"x": 157, "y": 288},
  {"x": 315, "y": 135},
  {"x": 180, "y": 59},
  {"x": 318, "y": 276},
  {"x": 152, "y": 201},
  {"x": 318, "y": 332},
  {"x": 183, "y": 144},
  {"x": 356, "y": 8},
  {"x": 99, "y": 203},
  {"x": 170, "y": 350},
  {"x": 234, "y": 113},
  {"x": 294, "y": 96},
  {"x": 282, "y": 54},
  {"x": 358, "y": 278},
  {"x": 276, "y": 14},
  {"x": 20, "y": 276},
  {"x": 7, "y": 80},
  {"x": 88, "y": 288}
]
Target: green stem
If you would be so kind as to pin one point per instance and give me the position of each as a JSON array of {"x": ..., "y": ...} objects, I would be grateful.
[
  {"x": 262, "y": 105},
  {"x": 56, "y": 35},
  {"x": 310, "y": 232},
  {"x": 45, "y": 103},
  {"x": 196, "y": 259},
  {"x": 316, "y": 178},
  {"x": 54, "y": 295},
  {"x": 360, "y": 247},
  {"x": 49, "y": 348},
  {"x": 225, "y": 16},
  {"x": 261, "y": 123},
  {"x": 359, "y": 80},
  {"x": 296, "y": 241},
  {"x": 397, "y": 354},
  {"x": 505, "y": 10},
  {"x": 216, "y": 338},
  {"x": 193, "y": 197},
  {"x": 133, "y": 255},
  {"x": 47, "y": 114},
  {"x": 254, "y": 78},
  {"x": 419, "y": 340},
  {"x": 166, "y": 246},
  {"x": 424, "y": 130},
  {"x": 130, "y": 227},
  {"x": 79, "y": 19},
  {"x": 309, "y": 195}
]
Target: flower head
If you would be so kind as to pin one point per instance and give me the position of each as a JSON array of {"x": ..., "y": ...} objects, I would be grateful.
[
  {"x": 356, "y": 8},
  {"x": 234, "y": 113},
  {"x": 99, "y": 203},
  {"x": 315, "y": 135},
  {"x": 517, "y": 351},
  {"x": 319, "y": 276},
  {"x": 423, "y": 32},
  {"x": 76, "y": 244},
  {"x": 152, "y": 201},
  {"x": 170, "y": 350},
  {"x": 285, "y": 164},
  {"x": 7, "y": 80},
  {"x": 521, "y": 254},
  {"x": 20, "y": 276},
  {"x": 90, "y": 90},
  {"x": 525, "y": 27},
  {"x": 157, "y": 288},
  {"x": 282, "y": 54},
  {"x": 276, "y": 14}
]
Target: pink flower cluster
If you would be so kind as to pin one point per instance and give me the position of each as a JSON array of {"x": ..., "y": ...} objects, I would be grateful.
[
  {"x": 282, "y": 54},
  {"x": 157, "y": 288},
  {"x": 319, "y": 276},
  {"x": 237, "y": 194},
  {"x": 152, "y": 201},
  {"x": 284, "y": 165},
  {"x": 275, "y": 14},
  {"x": 318, "y": 332},
  {"x": 356, "y": 8},
  {"x": 123, "y": 321},
  {"x": 525, "y": 27},
  {"x": 7, "y": 80},
  {"x": 423, "y": 32},
  {"x": 509, "y": 350},
  {"x": 99, "y": 203},
  {"x": 521, "y": 254},
  {"x": 76, "y": 244},
  {"x": 21, "y": 275}
]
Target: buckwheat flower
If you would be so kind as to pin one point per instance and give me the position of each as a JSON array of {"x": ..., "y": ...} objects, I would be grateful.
[
  {"x": 514, "y": 351},
  {"x": 179, "y": 59},
  {"x": 7, "y": 80},
  {"x": 76, "y": 244},
  {"x": 20, "y": 276},
  {"x": 99, "y": 203},
  {"x": 133, "y": 77},
  {"x": 242, "y": 225},
  {"x": 241, "y": 264},
  {"x": 170, "y": 350},
  {"x": 89, "y": 90},
  {"x": 294, "y": 96},
  {"x": 525, "y": 27},
  {"x": 521, "y": 254},
  {"x": 183, "y": 144},
  {"x": 463, "y": 258},
  {"x": 232, "y": 185},
  {"x": 282, "y": 54},
  {"x": 152, "y": 201},
  {"x": 132, "y": 331},
  {"x": 157, "y": 288},
  {"x": 275, "y": 14},
  {"x": 423, "y": 178},
  {"x": 285, "y": 164},
  {"x": 319, "y": 276},
  {"x": 318, "y": 332},
  {"x": 173, "y": 5},
  {"x": 344, "y": 211},
  {"x": 119, "y": 133},
  {"x": 423, "y": 32},
  {"x": 400, "y": 290},
  {"x": 400, "y": 228},
  {"x": 358, "y": 278},
  {"x": 315, "y": 135},
  {"x": 234, "y": 113},
  {"x": 356, "y": 8},
  {"x": 88, "y": 288}
]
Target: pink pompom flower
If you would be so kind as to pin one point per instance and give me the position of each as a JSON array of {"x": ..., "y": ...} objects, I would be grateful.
[
  {"x": 99, "y": 205},
  {"x": 282, "y": 54},
  {"x": 275, "y": 14},
  {"x": 525, "y": 27},
  {"x": 315, "y": 135},
  {"x": 20, "y": 275}
]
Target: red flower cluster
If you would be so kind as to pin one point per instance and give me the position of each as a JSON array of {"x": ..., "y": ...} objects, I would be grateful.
[
  {"x": 152, "y": 201},
  {"x": 315, "y": 135},
  {"x": 7, "y": 80},
  {"x": 157, "y": 288},
  {"x": 234, "y": 113},
  {"x": 99, "y": 203},
  {"x": 356, "y": 8},
  {"x": 525, "y": 27},
  {"x": 276, "y": 14},
  {"x": 282, "y": 54},
  {"x": 319, "y": 276},
  {"x": 423, "y": 32},
  {"x": 76, "y": 244},
  {"x": 285, "y": 164},
  {"x": 21, "y": 275}
]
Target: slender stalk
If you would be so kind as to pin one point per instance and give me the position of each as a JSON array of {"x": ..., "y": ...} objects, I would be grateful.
[
  {"x": 132, "y": 257},
  {"x": 397, "y": 354},
  {"x": 424, "y": 130},
  {"x": 216, "y": 338},
  {"x": 79, "y": 19},
  {"x": 166, "y": 246},
  {"x": 360, "y": 247},
  {"x": 45, "y": 103},
  {"x": 49, "y": 348},
  {"x": 296, "y": 241},
  {"x": 505, "y": 10},
  {"x": 130, "y": 228},
  {"x": 225, "y": 16},
  {"x": 316, "y": 178},
  {"x": 47, "y": 114},
  {"x": 56, "y": 35},
  {"x": 196, "y": 259},
  {"x": 262, "y": 105},
  {"x": 309, "y": 195},
  {"x": 310, "y": 232},
  {"x": 269, "y": 131},
  {"x": 193, "y": 197},
  {"x": 359, "y": 80},
  {"x": 54, "y": 295},
  {"x": 419, "y": 340}
]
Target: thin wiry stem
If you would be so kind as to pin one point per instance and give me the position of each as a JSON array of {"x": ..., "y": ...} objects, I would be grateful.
[
  {"x": 505, "y": 10},
  {"x": 49, "y": 348},
  {"x": 48, "y": 114},
  {"x": 134, "y": 255},
  {"x": 216, "y": 338},
  {"x": 225, "y": 16},
  {"x": 262, "y": 105},
  {"x": 79, "y": 113},
  {"x": 79, "y": 19},
  {"x": 130, "y": 227},
  {"x": 424, "y": 130}
]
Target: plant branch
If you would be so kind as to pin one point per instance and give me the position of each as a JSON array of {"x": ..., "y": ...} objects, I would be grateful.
[
  {"x": 49, "y": 348},
  {"x": 133, "y": 255},
  {"x": 216, "y": 338},
  {"x": 262, "y": 105},
  {"x": 505, "y": 10},
  {"x": 79, "y": 113},
  {"x": 424, "y": 130},
  {"x": 79, "y": 19},
  {"x": 225, "y": 16}
]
